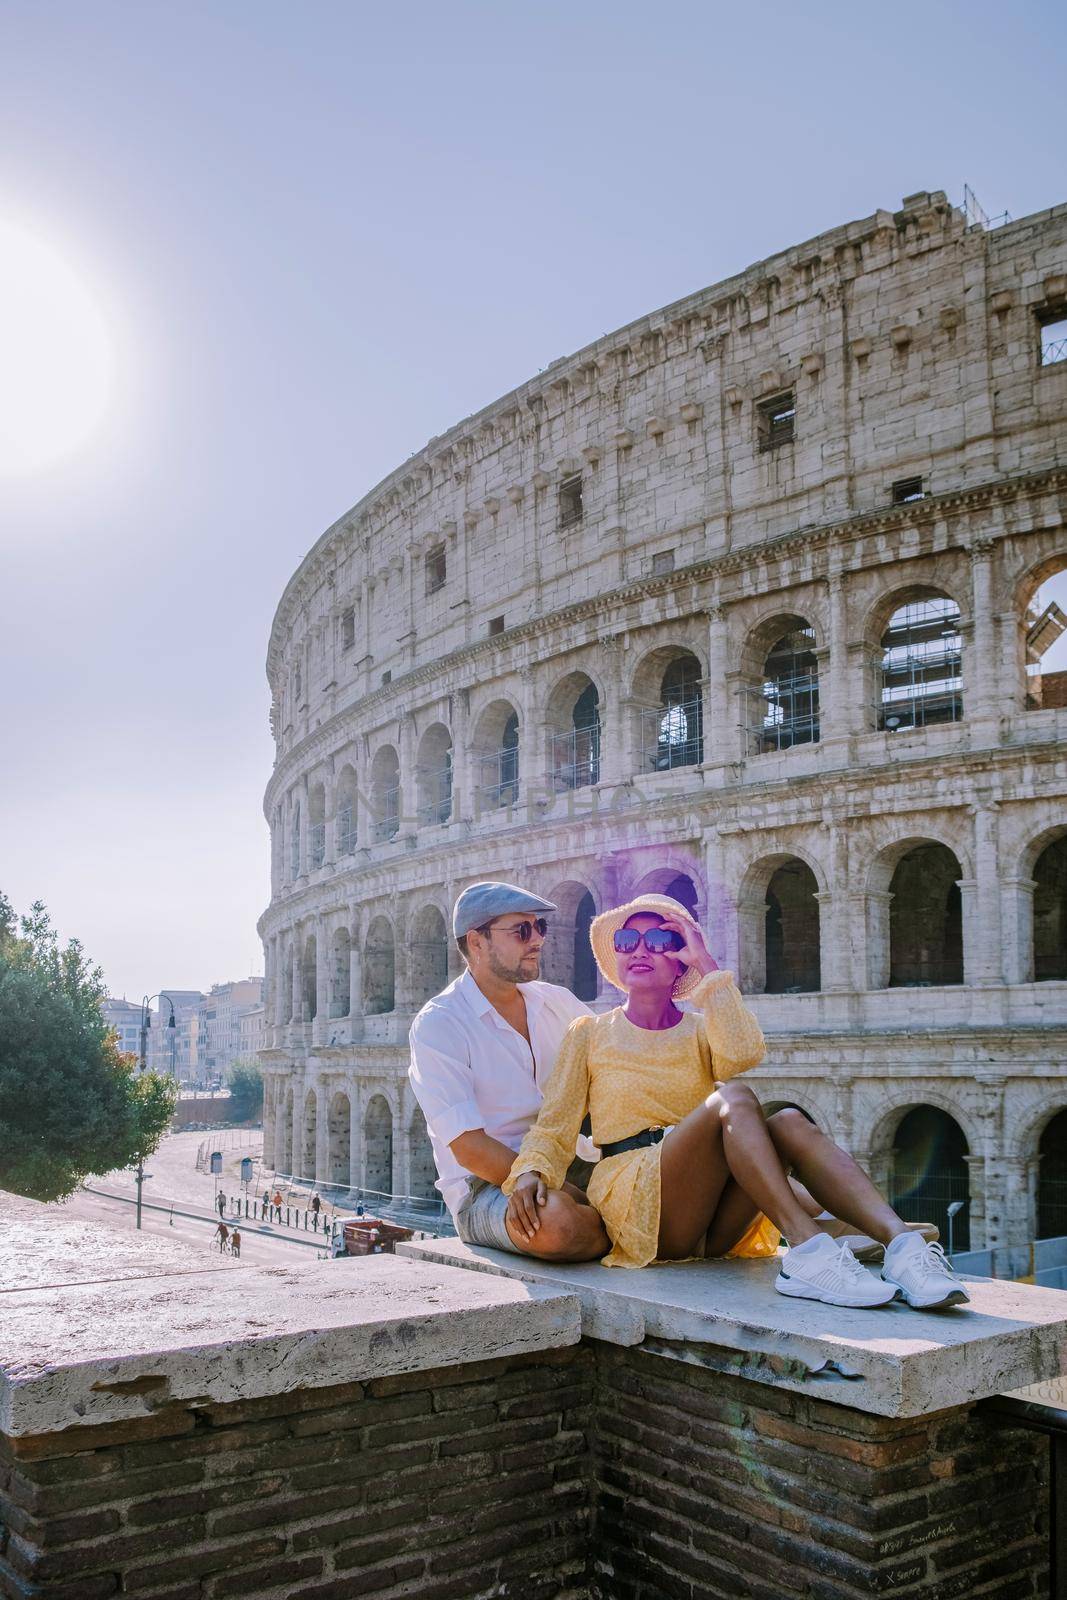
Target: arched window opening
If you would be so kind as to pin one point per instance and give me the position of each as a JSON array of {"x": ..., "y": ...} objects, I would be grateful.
[
  {"x": 434, "y": 777},
  {"x": 785, "y": 708},
  {"x": 925, "y": 919},
  {"x": 341, "y": 973},
  {"x": 576, "y": 746},
  {"x": 287, "y": 980},
  {"x": 495, "y": 752},
  {"x": 429, "y": 955},
  {"x": 567, "y": 956},
  {"x": 378, "y": 1147},
  {"x": 309, "y": 979},
  {"x": 310, "y": 1139},
  {"x": 792, "y": 938},
  {"x": 1052, "y": 1179},
  {"x": 1050, "y": 913},
  {"x": 294, "y": 843},
  {"x": 385, "y": 793},
  {"x": 379, "y": 969},
  {"x": 922, "y": 675},
  {"x": 316, "y": 826},
  {"x": 929, "y": 1173},
  {"x": 683, "y": 889},
  {"x": 672, "y": 733},
  {"x": 1045, "y": 633},
  {"x": 340, "y": 1140},
  {"x": 422, "y": 1167},
  {"x": 346, "y": 812},
  {"x": 585, "y": 969}
]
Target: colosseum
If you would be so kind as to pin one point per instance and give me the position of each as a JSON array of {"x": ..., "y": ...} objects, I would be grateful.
[{"x": 747, "y": 602}]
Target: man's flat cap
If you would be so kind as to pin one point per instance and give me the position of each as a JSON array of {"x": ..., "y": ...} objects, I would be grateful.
[{"x": 481, "y": 902}]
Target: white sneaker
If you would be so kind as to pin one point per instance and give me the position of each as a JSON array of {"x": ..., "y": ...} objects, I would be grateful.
[
  {"x": 923, "y": 1274},
  {"x": 825, "y": 1269}
]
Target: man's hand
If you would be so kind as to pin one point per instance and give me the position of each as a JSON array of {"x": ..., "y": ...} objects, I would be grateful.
[{"x": 529, "y": 1193}]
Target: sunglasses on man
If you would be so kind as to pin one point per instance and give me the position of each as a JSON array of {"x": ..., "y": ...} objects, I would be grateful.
[
  {"x": 657, "y": 941},
  {"x": 523, "y": 931}
]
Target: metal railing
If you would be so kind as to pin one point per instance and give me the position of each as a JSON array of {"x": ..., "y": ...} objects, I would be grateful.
[
  {"x": 387, "y": 813},
  {"x": 672, "y": 735},
  {"x": 436, "y": 806},
  {"x": 498, "y": 782},
  {"x": 783, "y": 712},
  {"x": 1054, "y": 350},
  {"x": 576, "y": 758},
  {"x": 346, "y": 831},
  {"x": 316, "y": 844}
]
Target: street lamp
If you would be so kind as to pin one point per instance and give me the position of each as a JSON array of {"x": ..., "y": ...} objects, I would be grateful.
[
  {"x": 953, "y": 1211},
  {"x": 146, "y": 1023}
]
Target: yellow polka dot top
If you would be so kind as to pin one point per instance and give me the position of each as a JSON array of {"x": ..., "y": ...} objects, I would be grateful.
[{"x": 629, "y": 1078}]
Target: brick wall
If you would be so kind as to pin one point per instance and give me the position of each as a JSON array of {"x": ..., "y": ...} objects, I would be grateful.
[
  {"x": 715, "y": 1488},
  {"x": 447, "y": 1485},
  {"x": 584, "y": 1474}
]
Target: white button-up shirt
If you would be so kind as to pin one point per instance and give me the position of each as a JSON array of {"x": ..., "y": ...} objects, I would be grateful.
[{"x": 471, "y": 1069}]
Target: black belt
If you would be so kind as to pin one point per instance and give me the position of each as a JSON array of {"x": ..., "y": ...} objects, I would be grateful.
[{"x": 637, "y": 1141}]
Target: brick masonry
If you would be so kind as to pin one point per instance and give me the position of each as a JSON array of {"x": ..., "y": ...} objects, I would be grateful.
[{"x": 590, "y": 1473}]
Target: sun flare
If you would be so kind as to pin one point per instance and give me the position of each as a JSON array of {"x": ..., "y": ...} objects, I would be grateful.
[{"x": 57, "y": 355}]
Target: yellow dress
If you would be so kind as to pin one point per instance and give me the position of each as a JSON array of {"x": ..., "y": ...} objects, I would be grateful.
[{"x": 629, "y": 1078}]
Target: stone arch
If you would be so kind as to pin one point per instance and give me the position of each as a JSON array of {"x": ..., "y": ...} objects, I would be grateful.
[
  {"x": 893, "y": 903},
  {"x": 309, "y": 978},
  {"x": 340, "y": 1140},
  {"x": 1037, "y": 628},
  {"x": 340, "y": 973},
  {"x": 780, "y": 683},
  {"x": 929, "y": 1171},
  {"x": 914, "y": 640},
  {"x": 1050, "y": 911},
  {"x": 422, "y": 1168},
  {"x": 494, "y": 745},
  {"x": 385, "y": 793},
  {"x": 378, "y": 1146},
  {"x": 346, "y": 810},
  {"x": 759, "y": 919},
  {"x": 316, "y": 825},
  {"x": 309, "y": 1124},
  {"x": 567, "y": 956},
  {"x": 667, "y": 692},
  {"x": 1052, "y": 1177},
  {"x": 428, "y": 944},
  {"x": 573, "y": 726},
  {"x": 681, "y": 883},
  {"x": 379, "y": 968},
  {"x": 433, "y": 776},
  {"x": 283, "y": 1134}
]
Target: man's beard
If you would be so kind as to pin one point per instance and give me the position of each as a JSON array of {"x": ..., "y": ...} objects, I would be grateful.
[{"x": 513, "y": 974}]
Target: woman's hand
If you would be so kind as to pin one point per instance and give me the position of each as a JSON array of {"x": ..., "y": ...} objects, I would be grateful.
[
  {"x": 529, "y": 1193},
  {"x": 695, "y": 952}
]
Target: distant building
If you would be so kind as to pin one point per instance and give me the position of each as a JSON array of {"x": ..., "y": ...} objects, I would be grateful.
[
  {"x": 220, "y": 1041},
  {"x": 174, "y": 1052},
  {"x": 125, "y": 1017},
  {"x": 253, "y": 1032}
]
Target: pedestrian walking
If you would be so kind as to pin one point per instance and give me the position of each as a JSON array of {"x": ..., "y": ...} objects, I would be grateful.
[
  {"x": 220, "y": 1201},
  {"x": 265, "y": 1205},
  {"x": 277, "y": 1202},
  {"x": 222, "y": 1234},
  {"x": 235, "y": 1243}
]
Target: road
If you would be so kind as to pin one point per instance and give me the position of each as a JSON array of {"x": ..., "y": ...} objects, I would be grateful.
[{"x": 261, "y": 1249}]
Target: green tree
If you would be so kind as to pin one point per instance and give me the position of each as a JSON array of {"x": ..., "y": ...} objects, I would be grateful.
[
  {"x": 70, "y": 1102},
  {"x": 246, "y": 1091}
]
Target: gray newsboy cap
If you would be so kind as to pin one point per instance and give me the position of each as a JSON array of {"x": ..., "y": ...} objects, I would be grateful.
[{"x": 481, "y": 902}]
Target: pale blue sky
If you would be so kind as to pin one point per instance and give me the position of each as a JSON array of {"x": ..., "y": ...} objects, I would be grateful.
[{"x": 321, "y": 233}]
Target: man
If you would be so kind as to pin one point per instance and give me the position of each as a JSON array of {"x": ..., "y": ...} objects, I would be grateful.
[{"x": 482, "y": 1052}]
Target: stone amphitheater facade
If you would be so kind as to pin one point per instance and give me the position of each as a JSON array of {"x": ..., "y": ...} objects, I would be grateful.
[{"x": 735, "y": 601}]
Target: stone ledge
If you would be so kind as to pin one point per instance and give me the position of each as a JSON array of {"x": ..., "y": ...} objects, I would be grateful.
[
  {"x": 98, "y": 1326},
  {"x": 726, "y": 1316}
]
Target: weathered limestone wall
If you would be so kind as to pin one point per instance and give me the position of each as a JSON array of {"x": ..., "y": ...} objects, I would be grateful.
[{"x": 910, "y": 346}]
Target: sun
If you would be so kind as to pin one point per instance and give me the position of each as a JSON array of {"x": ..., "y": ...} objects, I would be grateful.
[{"x": 57, "y": 359}]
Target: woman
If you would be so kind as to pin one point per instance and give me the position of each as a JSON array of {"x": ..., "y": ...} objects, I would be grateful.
[{"x": 690, "y": 1166}]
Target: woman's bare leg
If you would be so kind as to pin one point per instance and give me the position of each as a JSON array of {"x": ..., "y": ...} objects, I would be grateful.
[
  {"x": 724, "y": 1138},
  {"x": 833, "y": 1178}
]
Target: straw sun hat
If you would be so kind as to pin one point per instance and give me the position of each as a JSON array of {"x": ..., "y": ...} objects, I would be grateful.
[{"x": 603, "y": 928}]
